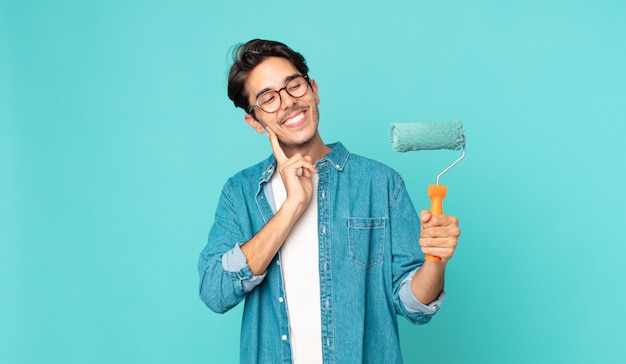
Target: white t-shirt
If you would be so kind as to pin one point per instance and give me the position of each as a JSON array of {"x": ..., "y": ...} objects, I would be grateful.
[{"x": 300, "y": 267}]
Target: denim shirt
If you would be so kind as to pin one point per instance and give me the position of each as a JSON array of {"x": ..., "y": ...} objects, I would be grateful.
[{"x": 368, "y": 251}]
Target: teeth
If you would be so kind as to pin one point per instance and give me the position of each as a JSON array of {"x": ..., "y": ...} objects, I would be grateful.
[{"x": 294, "y": 120}]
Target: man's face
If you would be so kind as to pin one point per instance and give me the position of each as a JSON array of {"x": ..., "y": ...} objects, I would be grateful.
[{"x": 296, "y": 120}]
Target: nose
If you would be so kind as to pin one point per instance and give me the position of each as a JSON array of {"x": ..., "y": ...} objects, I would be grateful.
[{"x": 286, "y": 100}]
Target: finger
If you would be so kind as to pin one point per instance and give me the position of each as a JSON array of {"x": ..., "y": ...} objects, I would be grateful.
[
  {"x": 451, "y": 231},
  {"x": 444, "y": 253},
  {"x": 309, "y": 167},
  {"x": 299, "y": 166},
  {"x": 439, "y": 220},
  {"x": 279, "y": 154},
  {"x": 425, "y": 216},
  {"x": 447, "y": 242},
  {"x": 443, "y": 248}
]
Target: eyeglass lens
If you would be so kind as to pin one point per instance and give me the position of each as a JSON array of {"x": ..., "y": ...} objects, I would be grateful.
[{"x": 271, "y": 100}]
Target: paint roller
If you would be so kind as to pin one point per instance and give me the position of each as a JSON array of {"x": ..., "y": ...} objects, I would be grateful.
[{"x": 407, "y": 137}]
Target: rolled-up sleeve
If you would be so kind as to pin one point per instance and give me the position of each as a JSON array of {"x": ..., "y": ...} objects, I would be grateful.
[
  {"x": 412, "y": 304},
  {"x": 225, "y": 277},
  {"x": 234, "y": 261}
]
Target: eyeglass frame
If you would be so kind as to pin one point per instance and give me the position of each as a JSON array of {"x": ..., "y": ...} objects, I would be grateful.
[{"x": 280, "y": 98}]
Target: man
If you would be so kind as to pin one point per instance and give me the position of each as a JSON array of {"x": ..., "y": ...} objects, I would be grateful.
[{"x": 322, "y": 244}]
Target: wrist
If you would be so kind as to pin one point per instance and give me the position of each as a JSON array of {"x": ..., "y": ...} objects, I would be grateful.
[{"x": 293, "y": 208}]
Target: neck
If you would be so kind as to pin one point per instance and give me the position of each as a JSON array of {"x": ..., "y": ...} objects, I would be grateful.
[{"x": 315, "y": 148}]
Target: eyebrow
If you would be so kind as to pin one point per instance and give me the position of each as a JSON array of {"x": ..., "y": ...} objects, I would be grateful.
[{"x": 287, "y": 79}]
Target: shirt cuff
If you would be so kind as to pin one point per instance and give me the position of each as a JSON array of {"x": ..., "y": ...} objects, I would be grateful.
[
  {"x": 235, "y": 261},
  {"x": 412, "y": 304}
]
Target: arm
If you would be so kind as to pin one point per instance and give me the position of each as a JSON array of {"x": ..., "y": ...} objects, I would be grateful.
[
  {"x": 225, "y": 279},
  {"x": 234, "y": 261},
  {"x": 261, "y": 249},
  {"x": 439, "y": 237}
]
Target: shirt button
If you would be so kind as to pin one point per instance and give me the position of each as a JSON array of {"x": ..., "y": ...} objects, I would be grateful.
[
  {"x": 325, "y": 267},
  {"x": 323, "y": 194},
  {"x": 327, "y": 303},
  {"x": 284, "y": 337},
  {"x": 323, "y": 229},
  {"x": 280, "y": 299},
  {"x": 277, "y": 262}
]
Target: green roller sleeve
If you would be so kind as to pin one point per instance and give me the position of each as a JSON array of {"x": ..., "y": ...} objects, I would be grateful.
[{"x": 407, "y": 137}]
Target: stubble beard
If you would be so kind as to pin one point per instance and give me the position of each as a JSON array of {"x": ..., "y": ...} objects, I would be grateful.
[{"x": 308, "y": 141}]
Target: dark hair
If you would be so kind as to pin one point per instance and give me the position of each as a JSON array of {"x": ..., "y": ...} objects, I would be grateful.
[{"x": 249, "y": 55}]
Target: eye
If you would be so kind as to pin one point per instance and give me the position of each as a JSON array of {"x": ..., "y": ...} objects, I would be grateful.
[
  {"x": 295, "y": 85},
  {"x": 267, "y": 98}
]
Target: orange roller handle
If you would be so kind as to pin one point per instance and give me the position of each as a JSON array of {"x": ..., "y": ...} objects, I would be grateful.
[{"x": 436, "y": 193}]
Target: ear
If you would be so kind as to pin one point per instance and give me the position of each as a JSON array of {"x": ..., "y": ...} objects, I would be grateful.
[
  {"x": 254, "y": 123},
  {"x": 315, "y": 88}
]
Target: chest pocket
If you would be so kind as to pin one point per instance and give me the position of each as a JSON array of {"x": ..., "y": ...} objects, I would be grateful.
[{"x": 366, "y": 239}]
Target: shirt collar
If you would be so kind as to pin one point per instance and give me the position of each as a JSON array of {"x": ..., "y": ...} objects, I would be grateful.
[{"x": 336, "y": 158}]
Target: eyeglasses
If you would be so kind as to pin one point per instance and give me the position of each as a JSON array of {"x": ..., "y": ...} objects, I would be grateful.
[{"x": 270, "y": 101}]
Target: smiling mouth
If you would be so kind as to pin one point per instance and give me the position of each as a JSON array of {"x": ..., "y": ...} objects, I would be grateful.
[
  {"x": 294, "y": 120},
  {"x": 297, "y": 118}
]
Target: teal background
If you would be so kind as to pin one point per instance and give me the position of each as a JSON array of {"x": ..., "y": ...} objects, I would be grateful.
[{"x": 116, "y": 136}]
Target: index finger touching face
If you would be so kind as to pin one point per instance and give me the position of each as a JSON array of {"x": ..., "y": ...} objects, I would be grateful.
[{"x": 279, "y": 154}]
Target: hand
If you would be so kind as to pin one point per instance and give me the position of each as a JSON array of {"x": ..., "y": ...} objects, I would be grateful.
[
  {"x": 295, "y": 171},
  {"x": 439, "y": 235}
]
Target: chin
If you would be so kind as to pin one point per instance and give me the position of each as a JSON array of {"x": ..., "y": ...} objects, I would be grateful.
[{"x": 299, "y": 141}]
